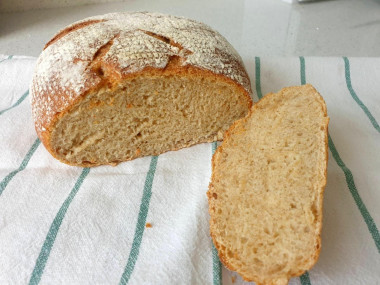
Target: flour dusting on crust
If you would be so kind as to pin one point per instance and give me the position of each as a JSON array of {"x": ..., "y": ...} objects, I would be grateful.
[{"x": 138, "y": 40}]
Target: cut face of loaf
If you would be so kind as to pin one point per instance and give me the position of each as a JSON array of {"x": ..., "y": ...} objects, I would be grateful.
[
  {"x": 120, "y": 86},
  {"x": 146, "y": 115},
  {"x": 266, "y": 191}
]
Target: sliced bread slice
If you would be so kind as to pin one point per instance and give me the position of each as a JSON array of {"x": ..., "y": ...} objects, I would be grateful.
[{"x": 266, "y": 190}]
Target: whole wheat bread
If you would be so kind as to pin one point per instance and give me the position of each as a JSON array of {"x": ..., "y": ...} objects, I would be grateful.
[
  {"x": 266, "y": 191},
  {"x": 119, "y": 86}
]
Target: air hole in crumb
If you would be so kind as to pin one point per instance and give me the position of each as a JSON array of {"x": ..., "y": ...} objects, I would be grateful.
[
  {"x": 229, "y": 254},
  {"x": 257, "y": 262},
  {"x": 215, "y": 195},
  {"x": 138, "y": 135},
  {"x": 99, "y": 71},
  {"x": 314, "y": 210},
  {"x": 293, "y": 206}
]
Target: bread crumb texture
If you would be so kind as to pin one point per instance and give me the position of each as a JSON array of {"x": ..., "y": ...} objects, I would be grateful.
[
  {"x": 119, "y": 86},
  {"x": 266, "y": 191}
]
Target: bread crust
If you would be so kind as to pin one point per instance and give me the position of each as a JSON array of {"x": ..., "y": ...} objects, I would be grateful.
[
  {"x": 237, "y": 126},
  {"x": 54, "y": 95}
]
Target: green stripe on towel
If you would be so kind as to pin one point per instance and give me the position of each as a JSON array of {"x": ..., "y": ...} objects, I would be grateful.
[
  {"x": 305, "y": 279},
  {"x": 214, "y": 146},
  {"x": 53, "y": 231},
  {"x": 355, "y": 194},
  {"x": 216, "y": 267},
  {"x": 140, "y": 226},
  {"x": 216, "y": 264},
  {"x": 19, "y": 101},
  {"x": 258, "y": 77},
  {"x": 8, "y": 58},
  {"x": 351, "y": 186},
  {"x": 355, "y": 97},
  {"x": 303, "y": 73},
  {"x": 24, "y": 163}
]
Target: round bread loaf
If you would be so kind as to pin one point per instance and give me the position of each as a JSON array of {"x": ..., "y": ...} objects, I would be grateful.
[{"x": 120, "y": 86}]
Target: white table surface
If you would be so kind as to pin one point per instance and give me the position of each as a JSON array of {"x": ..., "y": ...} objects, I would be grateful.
[{"x": 254, "y": 27}]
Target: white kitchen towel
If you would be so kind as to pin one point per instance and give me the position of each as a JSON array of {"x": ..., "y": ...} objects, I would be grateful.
[{"x": 146, "y": 221}]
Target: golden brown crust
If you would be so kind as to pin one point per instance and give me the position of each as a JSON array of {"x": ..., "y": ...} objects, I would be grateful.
[{"x": 237, "y": 127}]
